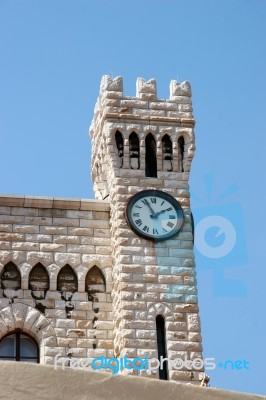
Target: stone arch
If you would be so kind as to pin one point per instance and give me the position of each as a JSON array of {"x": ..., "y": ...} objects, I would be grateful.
[
  {"x": 150, "y": 156},
  {"x": 39, "y": 278},
  {"x": 160, "y": 309},
  {"x": 67, "y": 280},
  {"x": 119, "y": 140},
  {"x": 95, "y": 282},
  {"x": 106, "y": 270},
  {"x": 188, "y": 148},
  {"x": 167, "y": 153},
  {"x": 134, "y": 150},
  {"x": 19, "y": 316},
  {"x": 17, "y": 257},
  {"x": 11, "y": 277}
]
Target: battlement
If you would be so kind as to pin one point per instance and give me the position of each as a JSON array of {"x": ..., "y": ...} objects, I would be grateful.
[
  {"x": 145, "y": 89},
  {"x": 145, "y": 107}
]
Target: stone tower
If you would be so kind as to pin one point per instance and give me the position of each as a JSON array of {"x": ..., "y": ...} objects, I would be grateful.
[{"x": 144, "y": 143}]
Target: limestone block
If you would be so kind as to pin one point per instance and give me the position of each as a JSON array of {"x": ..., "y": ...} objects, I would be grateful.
[
  {"x": 65, "y": 239},
  {"x": 19, "y": 313},
  {"x": 28, "y": 246},
  {"x": 111, "y": 84},
  {"x": 172, "y": 297},
  {"x": 79, "y": 214},
  {"x": 55, "y": 313},
  {"x": 76, "y": 333},
  {"x": 5, "y": 228},
  {"x": 80, "y": 296},
  {"x": 80, "y": 231},
  {"x": 84, "y": 324},
  {"x": 75, "y": 248},
  {"x": 4, "y": 302},
  {"x": 31, "y": 316},
  {"x": 77, "y": 352},
  {"x": 72, "y": 259},
  {"x": 94, "y": 353},
  {"x": 3, "y": 328},
  {"x": 52, "y": 247},
  {"x": 43, "y": 258},
  {"x": 53, "y": 351},
  {"x": 12, "y": 236},
  {"x": 146, "y": 89},
  {"x": 65, "y": 222},
  {"x": 53, "y": 230},
  {"x": 191, "y": 298},
  {"x": 65, "y": 323},
  {"x": 11, "y": 219},
  {"x": 193, "y": 322}
]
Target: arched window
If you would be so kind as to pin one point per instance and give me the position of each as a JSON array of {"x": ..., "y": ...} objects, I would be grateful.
[
  {"x": 10, "y": 278},
  {"x": 95, "y": 282},
  {"x": 134, "y": 150},
  {"x": 181, "y": 148},
  {"x": 18, "y": 346},
  {"x": 161, "y": 345},
  {"x": 67, "y": 280},
  {"x": 167, "y": 153},
  {"x": 120, "y": 147},
  {"x": 39, "y": 278},
  {"x": 150, "y": 157}
]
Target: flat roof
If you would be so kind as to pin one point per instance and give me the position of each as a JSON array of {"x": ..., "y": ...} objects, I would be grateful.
[{"x": 53, "y": 202}]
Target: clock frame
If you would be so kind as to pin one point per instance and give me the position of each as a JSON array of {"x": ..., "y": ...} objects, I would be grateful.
[{"x": 148, "y": 218}]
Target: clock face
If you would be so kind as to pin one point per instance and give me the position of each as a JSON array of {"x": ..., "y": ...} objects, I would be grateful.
[{"x": 154, "y": 215}]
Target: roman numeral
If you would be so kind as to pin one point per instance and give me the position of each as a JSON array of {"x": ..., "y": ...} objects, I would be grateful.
[
  {"x": 172, "y": 217},
  {"x": 169, "y": 209},
  {"x": 145, "y": 201},
  {"x": 135, "y": 214},
  {"x": 146, "y": 229},
  {"x": 138, "y": 207},
  {"x": 138, "y": 222},
  {"x": 162, "y": 203},
  {"x": 155, "y": 232},
  {"x": 170, "y": 224},
  {"x": 153, "y": 200},
  {"x": 164, "y": 230}
]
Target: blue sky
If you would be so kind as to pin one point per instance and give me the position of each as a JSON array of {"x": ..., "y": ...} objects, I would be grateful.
[{"x": 53, "y": 54}]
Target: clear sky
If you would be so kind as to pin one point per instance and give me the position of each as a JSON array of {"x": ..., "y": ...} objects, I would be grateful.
[{"x": 53, "y": 55}]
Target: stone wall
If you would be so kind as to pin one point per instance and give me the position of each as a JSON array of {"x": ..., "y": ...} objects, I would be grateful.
[{"x": 57, "y": 232}]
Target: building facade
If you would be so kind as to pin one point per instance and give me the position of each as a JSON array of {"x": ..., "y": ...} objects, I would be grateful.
[{"x": 114, "y": 276}]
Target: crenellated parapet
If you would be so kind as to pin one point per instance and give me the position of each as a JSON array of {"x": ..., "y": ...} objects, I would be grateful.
[{"x": 117, "y": 117}]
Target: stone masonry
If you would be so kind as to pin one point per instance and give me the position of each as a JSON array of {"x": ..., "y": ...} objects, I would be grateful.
[{"x": 123, "y": 281}]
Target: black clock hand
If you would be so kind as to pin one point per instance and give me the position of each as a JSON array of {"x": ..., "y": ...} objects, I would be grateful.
[
  {"x": 150, "y": 207},
  {"x": 158, "y": 213}
]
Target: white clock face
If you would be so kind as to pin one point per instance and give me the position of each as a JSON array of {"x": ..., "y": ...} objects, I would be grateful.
[{"x": 154, "y": 215}]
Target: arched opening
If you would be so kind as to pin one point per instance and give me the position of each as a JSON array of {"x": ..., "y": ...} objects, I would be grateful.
[
  {"x": 39, "y": 278},
  {"x": 94, "y": 282},
  {"x": 67, "y": 280},
  {"x": 19, "y": 346},
  {"x": 10, "y": 278},
  {"x": 150, "y": 157},
  {"x": 134, "y": 150},
  {"x": 181, "y": 148},
  {"x": 120, "y": 147},
  {"x": 161, "y": 345},
  {"x": 167, "y": 153}
]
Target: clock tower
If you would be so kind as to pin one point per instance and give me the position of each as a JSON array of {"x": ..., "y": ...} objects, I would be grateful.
[{"x": 142, "y": 148}]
